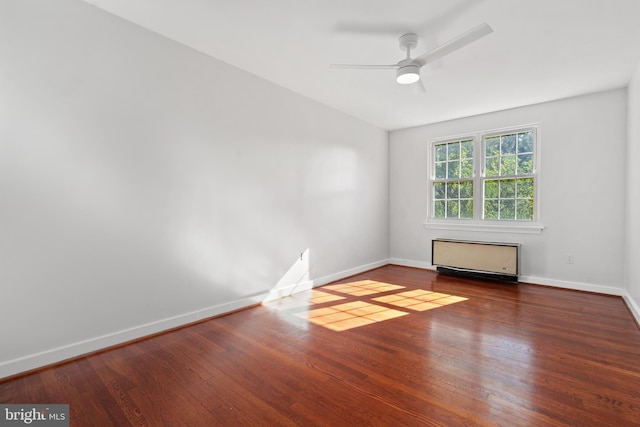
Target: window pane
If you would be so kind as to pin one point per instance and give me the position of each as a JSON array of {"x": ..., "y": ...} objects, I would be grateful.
[
  {"x": 507, "y": 189},
  {"x": 491, "y": 189},
  {"x": 438, "y": 190},
  {"x": 492, "y": 146},
  {"x": 524, "y": 209},
  {"x": 492, "y": 166},
  {"x": 507, "y": 209},
  {"x": 438, "y": 209},
  {"x": 452, "y": 209},
  {"x": 452, "y": 190},
  {"x": 466, "y": 209},
  {"x": 441, "y": 152},
  {"x": 525, "y": 142},
  {"x": 508, "y": 165},
  {"x": 491, "y": 209},
  {"x": 508, "y": 144},
  {"x": 466, "y": 168},
  {"x": 525, "y": 188},
  {"x": 525, "y": 163},
  {"x": 441, "y": 170},
  {"x": 466, "y": 149},
  {"x": 454, "y": 151},
  {"x": 466, "y": 189},
  {"x": 453, "y": 169}
]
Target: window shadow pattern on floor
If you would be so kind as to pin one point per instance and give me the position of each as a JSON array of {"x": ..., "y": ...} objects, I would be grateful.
[{"x": 350, "y": 305}]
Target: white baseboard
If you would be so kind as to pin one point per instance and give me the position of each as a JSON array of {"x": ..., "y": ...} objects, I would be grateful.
[
  {"x": 578, "y": 286},
  {"x": 588, "y": 287},
  {"x": 59, "y": 354},
  {"x": 346, "y": 273},
  {"x": 412, "y": 263},
  {"x": 634, "y": 308},
  {"x": 286, "y": 291}
]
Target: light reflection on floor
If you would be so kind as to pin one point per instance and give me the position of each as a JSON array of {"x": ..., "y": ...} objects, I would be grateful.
[{"x": 340, "y": 315}]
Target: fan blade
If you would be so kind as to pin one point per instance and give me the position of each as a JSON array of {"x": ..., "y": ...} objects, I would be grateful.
[
  {"x": 418, "y": 87},
  {"x": 363, "y": 66},
  {"x": 455, "y": 44}
]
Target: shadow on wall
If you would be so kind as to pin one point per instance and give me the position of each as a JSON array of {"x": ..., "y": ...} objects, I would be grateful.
[{"x": 294, "y": 280}]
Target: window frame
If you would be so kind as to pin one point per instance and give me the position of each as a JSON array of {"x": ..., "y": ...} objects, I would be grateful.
[
  {"x": 450, "y": 180},
  {"x": 478, "y": 222}
]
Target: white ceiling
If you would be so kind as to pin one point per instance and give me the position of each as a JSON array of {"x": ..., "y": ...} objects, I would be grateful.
[{"x": 540, "y": 50}]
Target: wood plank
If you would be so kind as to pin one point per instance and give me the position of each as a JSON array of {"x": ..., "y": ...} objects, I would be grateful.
[{"x": 464, "y": 352}]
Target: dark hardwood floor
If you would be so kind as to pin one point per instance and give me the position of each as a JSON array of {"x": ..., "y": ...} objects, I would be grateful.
[{"x": 394, "y": 346}]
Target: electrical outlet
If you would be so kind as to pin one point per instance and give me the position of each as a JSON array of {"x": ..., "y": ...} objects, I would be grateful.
[{"x": 569, "y": 258}]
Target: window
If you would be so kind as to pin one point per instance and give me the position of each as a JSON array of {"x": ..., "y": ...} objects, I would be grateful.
[
  {"x": 486, "y": 178},
  {"x": 453, "y": 183},
  {"x": 508, "y": 179}
]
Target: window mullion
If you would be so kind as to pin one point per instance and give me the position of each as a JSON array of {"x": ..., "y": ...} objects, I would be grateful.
[{"x": 478, "y": 178}]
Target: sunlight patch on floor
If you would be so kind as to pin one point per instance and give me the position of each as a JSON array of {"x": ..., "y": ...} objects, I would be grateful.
[
  {"x": 350, "y": 315},
  {"x": 419, "y": 300},
  {"x": 334, "y": 313},
  {"x": 320, "y": 297},
  {"x": 363, "y": 287}
]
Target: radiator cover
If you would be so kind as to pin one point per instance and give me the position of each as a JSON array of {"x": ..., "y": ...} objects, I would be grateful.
[{"x": 499, "y": 261}]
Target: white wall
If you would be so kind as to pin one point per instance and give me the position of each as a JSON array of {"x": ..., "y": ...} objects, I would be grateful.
[
  {"x": 581, "y": 185},
  {"x": 632, "y": 229},
  {"x": 144, "y": 185}
]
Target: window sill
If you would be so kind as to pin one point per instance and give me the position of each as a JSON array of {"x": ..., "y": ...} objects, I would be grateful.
[{"x": 518, "y": 228}]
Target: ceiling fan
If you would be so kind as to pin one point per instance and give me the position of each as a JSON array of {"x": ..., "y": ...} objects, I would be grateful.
[{"x": 408, "y": 69}]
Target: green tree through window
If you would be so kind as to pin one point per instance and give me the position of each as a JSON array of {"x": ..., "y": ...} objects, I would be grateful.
[
  {"x": 453, "y": 183},
  {"x": 505, "y": 188},
  {"x": 508, "y": 176}
]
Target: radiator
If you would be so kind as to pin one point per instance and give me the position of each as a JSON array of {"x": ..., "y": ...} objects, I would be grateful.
[{"x": 483, "y": 259}]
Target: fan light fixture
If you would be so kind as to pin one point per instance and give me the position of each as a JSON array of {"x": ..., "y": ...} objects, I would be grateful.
[{"x": 408, "y": 74}]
